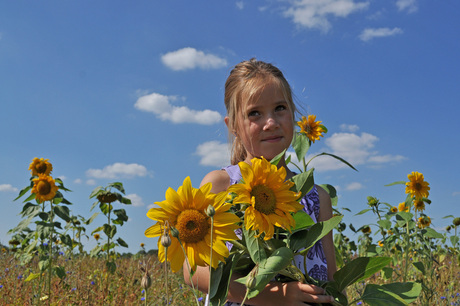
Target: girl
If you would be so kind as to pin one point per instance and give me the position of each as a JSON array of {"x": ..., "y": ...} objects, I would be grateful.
[{"x": 260, "y": 121}]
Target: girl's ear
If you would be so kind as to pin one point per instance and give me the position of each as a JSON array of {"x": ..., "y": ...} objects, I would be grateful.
[{"x": 226, "y": 119}]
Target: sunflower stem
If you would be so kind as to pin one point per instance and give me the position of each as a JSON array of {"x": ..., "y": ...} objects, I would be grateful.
[
  {"x": 50, "y": 267},
  {"x": 189, "y": 272},
  {"x": 245, "y": 297},
  {"x": 210, "y": 257}
]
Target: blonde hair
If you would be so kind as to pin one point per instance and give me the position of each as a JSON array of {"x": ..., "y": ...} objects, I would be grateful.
[{"x": 244, "y": 85}]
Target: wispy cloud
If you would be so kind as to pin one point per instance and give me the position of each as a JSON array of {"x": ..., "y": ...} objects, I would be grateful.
[
  {"x": 118, "y": 170},
  {"x": 371, "y": 33},
  {"x": 136, "y": 200},
  {"x": 354, "y": 186},
  {"x": 349, "y": 128},
  {"x": 7, "y": 188},
  {"x": 213, "y": 153},
  {"x": 191, "y": 58},
  {"x": 240, "y": 5},
  {"x": 407, "y": 5},
  {"x": 315, "y": 14},
  {"x": 357, "y": 149},
  {"x": 161, "y": 106}
]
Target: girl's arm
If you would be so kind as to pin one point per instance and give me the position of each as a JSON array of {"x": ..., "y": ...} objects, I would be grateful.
[
  {"x": 275, "y": 293},
  {"x": 325, "y": 213}
]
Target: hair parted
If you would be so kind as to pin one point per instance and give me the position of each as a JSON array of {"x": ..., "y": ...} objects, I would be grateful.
[{"x": 244, "y": 85}]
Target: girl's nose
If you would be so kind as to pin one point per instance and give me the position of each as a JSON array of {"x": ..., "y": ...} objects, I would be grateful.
[{"x": 270, "y": 123}]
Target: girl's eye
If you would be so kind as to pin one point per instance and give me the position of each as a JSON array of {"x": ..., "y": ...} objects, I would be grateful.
[
  {"x": 280, "y": 108},
  {"x": 253, "y": 113}
]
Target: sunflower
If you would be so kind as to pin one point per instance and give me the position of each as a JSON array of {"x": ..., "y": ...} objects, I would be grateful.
[
  {"x": 402, "y": 207},
  {"x": 185, "y": 210},
  {"x": 268, "y": 195},
  {"x": 40, "y": 166},
  {"x": 44, "y": 188},
  {"x": 381, "y": 243},
  {"x": 311, "y": 128},
  {"x": 417, "y": 187},
  {"x": 424, "y": 221},
  {"x": 97, "y": 237},
  {"x": 366, "y": 229},
  {"x": 419, "y": 205},
  {"x": 394, "y": 209}
]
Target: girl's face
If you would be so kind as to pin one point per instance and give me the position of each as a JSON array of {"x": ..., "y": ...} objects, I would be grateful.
[{"x": 267, "y": 126}]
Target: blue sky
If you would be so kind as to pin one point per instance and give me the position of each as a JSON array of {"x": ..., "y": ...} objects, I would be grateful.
[{"x": 133, "y": 92}]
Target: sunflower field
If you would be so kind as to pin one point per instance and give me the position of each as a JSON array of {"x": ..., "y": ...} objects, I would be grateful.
[{"x": 398, "y": 258}]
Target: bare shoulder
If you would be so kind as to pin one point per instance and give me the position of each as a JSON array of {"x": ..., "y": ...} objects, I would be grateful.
[{"x": 219, "y": 179}]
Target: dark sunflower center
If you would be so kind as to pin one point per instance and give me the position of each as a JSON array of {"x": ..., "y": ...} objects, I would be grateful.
[
  {"x": 192, "y": 226},
  {"x": 265, "y": 200},
  {"x": 40, "y": 167},
  {"x": 418, "y": 186},
  {"x": 44, "y": 187}
]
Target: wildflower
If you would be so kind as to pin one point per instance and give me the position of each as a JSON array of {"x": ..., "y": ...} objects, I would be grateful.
[
  {"x": 419, "y": 205},
  {"x": 61, "y": 253},
  {"x": 424, "y": 221},
  {"x": 97, "y": 237},
  {"x": 143, "y": 291},
  {"x": 142, "y": 245},
  {"x": 402, "y": 207},
  {"x": 142, "y": 298},
  {"x": 40, "y": 166},
  {"x": 417, "y": 187},
  {"x": 73, "y": 289},
  {"x": 268, "y": 195},
  {"x": 44, "y": 188},
  {"x": 1, "y": 286},
  {"x": 185, "y": 211},
  {"x": 93, "y": 283},
  {"x": 20, "y": 276},
  {"x": 394, "y": 209},
  {"x": 311, "y": 128}
]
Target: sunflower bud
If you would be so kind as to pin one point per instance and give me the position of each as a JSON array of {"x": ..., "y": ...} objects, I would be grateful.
[
  {"x": 146, "y": 281},
  {"x": 251, "y": 280},
  {"x": 210, "y": 211},
  {"x": 448, "y": 228},
  {"x": 456, "y": 221},
  {"x": 174, "y": 232},
  {"x": 165, "y": 240}
]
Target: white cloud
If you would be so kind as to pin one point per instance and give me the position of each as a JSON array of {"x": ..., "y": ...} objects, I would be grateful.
[
  {"x": 455, "y": 193},
  {"x": 135, "y": 200},
  {"x": 190, "y": 58},
  {"x": 369, "y": 33},
  {"x": 77, "y": 181},
  {"x": 240, "y": 5},
  {"x": 91, "y": 182},
  {"x": 161, "y": 106},
  {"x": 118, "y": 170},
  {"x": 7, "y": 188},
  {"x": 213, "y": 153},
  {"x": 354, "y": 186},
  {"x": 356, "y": 149},
  {"x": 314, "y": 14},
  {"x": 407, "y": 5},
  {"x": 349, "y": 128}
]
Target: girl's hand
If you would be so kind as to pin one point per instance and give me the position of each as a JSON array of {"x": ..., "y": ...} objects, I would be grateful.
[{"x": 296, "y": 293}]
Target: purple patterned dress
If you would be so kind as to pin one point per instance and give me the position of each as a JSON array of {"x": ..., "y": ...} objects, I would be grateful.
[{"x": 316, "y": 260}]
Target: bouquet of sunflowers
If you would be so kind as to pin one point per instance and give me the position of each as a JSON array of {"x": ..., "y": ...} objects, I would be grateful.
[{"x": 255, "y": 228}]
